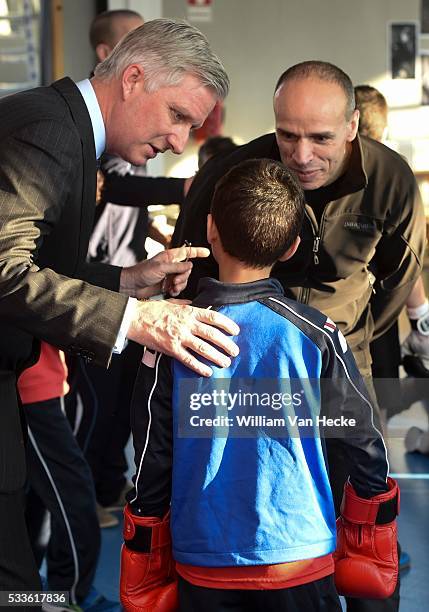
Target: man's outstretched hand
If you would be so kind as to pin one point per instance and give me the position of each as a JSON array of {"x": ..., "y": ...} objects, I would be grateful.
[
  {"x": 167, "y": 272},
  {"x": 176, "y": 329}
]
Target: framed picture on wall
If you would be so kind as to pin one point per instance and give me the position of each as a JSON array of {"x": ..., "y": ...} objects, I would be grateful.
[
  {"x": 403, "y": 50},
  {"x": 424, "y": 17}
]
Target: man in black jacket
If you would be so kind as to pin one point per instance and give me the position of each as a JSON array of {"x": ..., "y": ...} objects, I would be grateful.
[{"x": 363, "y": 234}]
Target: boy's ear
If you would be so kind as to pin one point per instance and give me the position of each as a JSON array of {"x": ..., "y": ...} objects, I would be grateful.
[
  {"x": 291, "y": 250},
  {"x": 212, "y": 233}
]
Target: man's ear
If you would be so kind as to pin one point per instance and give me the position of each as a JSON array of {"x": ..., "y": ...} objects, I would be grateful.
[
  {"x": 291, "y": 250},
  {"x": 102, "y": 50},
  {"x": 132, "y": 79},
  {"x": 212, "y": 233}
]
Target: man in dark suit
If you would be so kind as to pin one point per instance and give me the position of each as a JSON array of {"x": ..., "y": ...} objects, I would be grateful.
[{"x": 161, "y": 81}]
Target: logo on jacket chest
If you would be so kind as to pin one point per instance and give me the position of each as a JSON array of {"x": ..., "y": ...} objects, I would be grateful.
[{"x": 365, "y": 226}]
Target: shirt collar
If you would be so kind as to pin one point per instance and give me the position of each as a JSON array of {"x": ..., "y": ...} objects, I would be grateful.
[
  {"x": 96, "y": 117},
  {"x": 212, "y": 292}
]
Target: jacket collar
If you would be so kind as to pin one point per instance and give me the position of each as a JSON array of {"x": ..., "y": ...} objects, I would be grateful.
[
  {"x": 74, "y": 100},
  {"x": 79, "y": 112},
  {"x": 212, "y": 292},
  {"x": 355, "y": 177}
]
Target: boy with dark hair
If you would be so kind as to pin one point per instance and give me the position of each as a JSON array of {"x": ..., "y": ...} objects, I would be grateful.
[{"x": 252, "y": 516}]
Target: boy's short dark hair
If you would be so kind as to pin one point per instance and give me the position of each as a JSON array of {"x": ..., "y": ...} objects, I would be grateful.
[{"x": 258, "y": 208}]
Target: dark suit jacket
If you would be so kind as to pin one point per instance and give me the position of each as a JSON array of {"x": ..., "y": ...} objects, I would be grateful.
[{"x": 47, "y": 201}]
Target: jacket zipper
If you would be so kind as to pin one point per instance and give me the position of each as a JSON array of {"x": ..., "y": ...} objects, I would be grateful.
[
  {"x": 317, "y": 231},
  {"x": 371, "y": 280},
  {"x": 305, "y": 291},
  {"x": 316, "y": 249},
  {"x": 318, "y": 236}
]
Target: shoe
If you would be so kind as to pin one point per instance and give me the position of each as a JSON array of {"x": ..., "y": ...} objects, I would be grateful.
[
  {"x": 121, "y": 502},
  {"x": 106, "y": 518},
  {"x": 404, "y": 561}
]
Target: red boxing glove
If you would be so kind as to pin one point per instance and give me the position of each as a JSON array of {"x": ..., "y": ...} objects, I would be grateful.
[
  {"x": 366, "y": 559},
  {"x": 148, "y": 577}
]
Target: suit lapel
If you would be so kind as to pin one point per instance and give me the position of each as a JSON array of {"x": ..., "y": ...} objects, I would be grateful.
[{"x": 79, "y": 112}]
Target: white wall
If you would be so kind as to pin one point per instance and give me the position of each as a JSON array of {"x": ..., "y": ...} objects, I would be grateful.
[
  {"x": 150, "y": 9},
  {"x": 79, "y": 58}
]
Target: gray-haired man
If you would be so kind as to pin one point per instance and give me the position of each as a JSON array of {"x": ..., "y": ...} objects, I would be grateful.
[{"x": 161, "y": 81}]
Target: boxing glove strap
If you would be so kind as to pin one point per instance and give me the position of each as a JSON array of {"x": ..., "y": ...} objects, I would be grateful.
[
  {"x": 377, "y": 510},
  {"x": 388, "y": 511},
  {"x": 145, "y": 533},
  {"x": 141, "y": 541}
]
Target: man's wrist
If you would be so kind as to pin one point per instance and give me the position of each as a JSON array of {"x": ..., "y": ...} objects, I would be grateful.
[
  {"x": 418, "y": 311},
  {"x": 419, "y": 318},
  {"x": 127, "y": 285}
]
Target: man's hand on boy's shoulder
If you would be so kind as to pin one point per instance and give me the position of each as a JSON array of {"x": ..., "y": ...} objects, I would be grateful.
[{"x": 184, "y": 332}]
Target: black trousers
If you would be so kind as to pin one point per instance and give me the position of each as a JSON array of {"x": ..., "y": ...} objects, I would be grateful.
[
  {"x": 317, "y": 596},
  {"x": 386, "y": 359},
  {"x": 60, "y": 476},
  {"x": 18, "y": 569},
  {"x": 105, "y": 427}
]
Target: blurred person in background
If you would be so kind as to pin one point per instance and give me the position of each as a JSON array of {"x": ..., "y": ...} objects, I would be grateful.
[{"x": 385, "y": 350}]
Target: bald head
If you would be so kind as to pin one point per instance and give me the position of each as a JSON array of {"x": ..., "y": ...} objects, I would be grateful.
[
  {"x": 314, "y": 128},
  {"x": 322, "y": 71},
  {"x": 109, "y": 27}
]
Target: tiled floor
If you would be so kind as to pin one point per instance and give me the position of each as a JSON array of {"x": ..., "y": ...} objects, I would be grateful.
[{"x": 413, "y": 477}]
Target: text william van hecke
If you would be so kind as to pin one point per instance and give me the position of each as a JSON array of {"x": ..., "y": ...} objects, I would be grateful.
[{"x": 294, "y": 421}]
